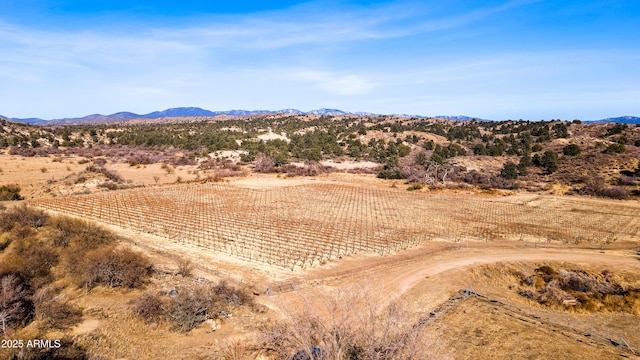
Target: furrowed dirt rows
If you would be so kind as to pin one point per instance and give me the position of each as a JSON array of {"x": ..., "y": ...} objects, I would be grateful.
[{"x": 305, "y": 225}]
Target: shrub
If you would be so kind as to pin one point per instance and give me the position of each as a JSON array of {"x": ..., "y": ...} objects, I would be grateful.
[
  {"x": 615, "y": 148},
  {"x": 416, "y": 186},
  {"x": 229, "y": 296},
  {"x": 5, "y": 241},
  {"x": 10, "y": 192},
  {"x": 614, "y": 193},
  {"x": 616, "y": 129},
  {"x": 591, "y": 291},
  {"x": 111, "y": 267},
  {"x": 546, "y": 269},
  {"x": 593, "y": 185},
  {"x": 185, "y": 267},
  {"x": 488, "y": 181},
  {"x": 108, "y": 185},
  {"x": 525, "y": 161},
  {"x": 247, "y": 157},
  {"x": 150, "y": 308},
  {"x": 596, "y": 186},
  {"x": 22, "y": 214},
  {"x": 57, "y": 314},
  {"x": 109, "y": 174},
  {"x": 333, "y": 329},
  {"x": 421, "y": 158},
  {"x": 625, "y": 180},
  {"x": 560, "y": 130},
  {"x": 191, "y": 306},
  {"x": 571, "y": 150},
  {"x": 403, "y": 150},
  {"x": 390, "y": 173},
  {"x": 31, "y": 261},
  {"x": 69, "y": 349},
  {"x": 21, "y": 231},
  {"x": 100, "y": 162},
  {"x": 81, "y": 234}
]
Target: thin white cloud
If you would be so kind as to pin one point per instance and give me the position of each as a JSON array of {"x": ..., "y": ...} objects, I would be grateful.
[
  {"x": 349, "y": 84},
  {"x": 313, "y": 24},
  {"x": 300, "y": 26}
]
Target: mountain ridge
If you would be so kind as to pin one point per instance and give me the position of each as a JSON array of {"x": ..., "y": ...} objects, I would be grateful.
[
  {"x": 190, "y": 112},
  {"x": 196, "y": 111},
  {"x": 620, "y": 119}
]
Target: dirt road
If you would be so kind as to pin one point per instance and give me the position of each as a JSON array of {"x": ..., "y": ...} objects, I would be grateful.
[{"x": 434, "y": 272}]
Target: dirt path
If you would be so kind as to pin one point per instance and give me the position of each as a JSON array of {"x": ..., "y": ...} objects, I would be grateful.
[
  {"x": 400, "y": 280},
  {"x": 434, "y": 274}
]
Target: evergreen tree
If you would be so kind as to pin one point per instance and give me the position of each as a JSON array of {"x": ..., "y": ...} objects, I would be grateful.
[
  {"x": 509, "y": 171},
  {"x": 571, "y": 150},
  {"x": 549, "y": 162}
]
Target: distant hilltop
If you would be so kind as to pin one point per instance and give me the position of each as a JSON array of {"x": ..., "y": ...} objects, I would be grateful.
[{"x": 199, "y": 112}]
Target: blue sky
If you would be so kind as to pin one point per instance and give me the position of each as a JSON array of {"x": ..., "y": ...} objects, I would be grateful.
[{"x": 491, "y": 59}]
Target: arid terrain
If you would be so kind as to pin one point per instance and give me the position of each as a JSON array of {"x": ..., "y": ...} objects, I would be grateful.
[{"x": 305, "y": 259}]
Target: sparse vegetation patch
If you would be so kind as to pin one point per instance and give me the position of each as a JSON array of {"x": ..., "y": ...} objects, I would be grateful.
[
  {"x": 580, "y": 289},
  {"x": 569, "y": 287},
  {"x": 40, "y": 254},
  {"x": 186, "y": 307}
]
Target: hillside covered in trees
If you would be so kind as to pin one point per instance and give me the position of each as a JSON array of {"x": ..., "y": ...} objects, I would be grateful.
[{"x": 590, "y": 159}]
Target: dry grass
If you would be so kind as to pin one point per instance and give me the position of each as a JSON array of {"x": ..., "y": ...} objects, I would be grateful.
[
  {"x": 351, "y": 324},
  {"x": 565, "y": 286},
  {"x": 478, "y": 330}
]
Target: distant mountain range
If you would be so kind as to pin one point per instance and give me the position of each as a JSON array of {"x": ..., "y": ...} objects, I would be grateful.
[
  {"x": 198, "y": 112},
  {"x": 621, "y": 119},
  {"x": 459, "y": 118},
  {"x": 176, "y": 112}
]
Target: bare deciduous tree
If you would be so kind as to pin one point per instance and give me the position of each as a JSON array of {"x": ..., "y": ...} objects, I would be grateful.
[
  {"x": 12, "y": 301},
  {"x": 192, "y": 305},
  {"x": 264, "y": 163}
]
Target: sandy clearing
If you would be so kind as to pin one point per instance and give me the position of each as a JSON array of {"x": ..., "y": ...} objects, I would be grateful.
[{"x": 273, "y": 136}]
